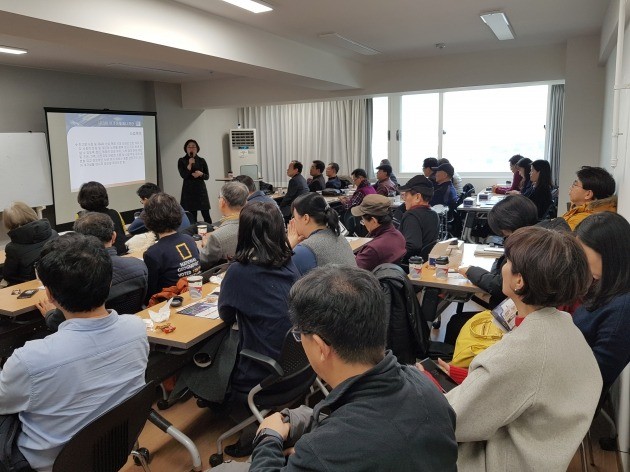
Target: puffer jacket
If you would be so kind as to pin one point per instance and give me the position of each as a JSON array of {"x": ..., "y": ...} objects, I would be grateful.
[{"x": 23, "y": 251}]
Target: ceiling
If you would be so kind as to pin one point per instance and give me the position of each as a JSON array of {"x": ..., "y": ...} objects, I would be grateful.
[{"x": 399, "y": 29}]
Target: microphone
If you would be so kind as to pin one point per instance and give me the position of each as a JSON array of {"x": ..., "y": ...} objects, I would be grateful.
[{"x": 190, "y": 154}]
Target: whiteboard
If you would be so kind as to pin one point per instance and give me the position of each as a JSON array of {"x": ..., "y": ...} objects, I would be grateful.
[{"x": 24, "y": 170}]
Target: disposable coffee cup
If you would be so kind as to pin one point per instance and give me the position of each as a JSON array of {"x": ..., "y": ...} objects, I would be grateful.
[
  {"x": 202, "y": 230},
  {"x": 441, "y": 267},
  {"x": 194, "y": 286},
  {"x": 415, "y": 267}
]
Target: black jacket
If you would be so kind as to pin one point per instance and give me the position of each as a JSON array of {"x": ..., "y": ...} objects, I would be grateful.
[
  {"x": 23, "y": 251},
  {"x": 194, "y": 191},
  {"x": 297, "y": 186},
  {"x": 491, "y": 282},
  {"x": 420, "y": 227},
  {"x": 317, "y": 183},
  {"x": 390, "y": 418}
]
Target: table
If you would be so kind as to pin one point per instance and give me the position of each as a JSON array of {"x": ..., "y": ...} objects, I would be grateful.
[
  {"x": 11, "y": 305},
  {"x": 480, "y": 207},
  {"x": 357, "y": 243},
  {"x": 329, "y": 199}
]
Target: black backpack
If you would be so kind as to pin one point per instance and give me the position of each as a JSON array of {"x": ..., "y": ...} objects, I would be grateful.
[{"x": 407, "y": 332}]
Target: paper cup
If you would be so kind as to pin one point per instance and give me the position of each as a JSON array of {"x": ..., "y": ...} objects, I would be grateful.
[
  {"x": 194, "y": 286},
  {"x": 202, "y": 229},
  {"x": 415, "y": 270}
]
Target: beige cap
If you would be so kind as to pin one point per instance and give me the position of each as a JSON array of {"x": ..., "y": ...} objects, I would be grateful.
[{"x": 375, "y": 205}]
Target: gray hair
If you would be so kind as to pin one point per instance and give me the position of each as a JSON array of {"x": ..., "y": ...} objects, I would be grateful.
[{"x": 235, "y": 194}]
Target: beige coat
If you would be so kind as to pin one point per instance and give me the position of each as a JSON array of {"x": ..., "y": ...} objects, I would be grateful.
[{"x": 528, "y": 400}]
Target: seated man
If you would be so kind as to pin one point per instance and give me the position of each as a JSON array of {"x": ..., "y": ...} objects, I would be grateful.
[
  {"x": 384, "y": 185},
  {"x": 317, "y": 182},
  {"x": 254, "y": 194},
  {"x": 96, "y": 360},
  {"x": 445, "y": 193},
  {"x": 220, "y": 245},
  {"x": 363, "y": 188},
  {"x": 129, "y": 273},
  {"x": 297, "y": 186},
  {"x": 427, "y": 167},
  {"x": 331, "y": 172},
  {"x": 419, "y": 224},
  {"x": 379, "y": 415},
  {"x": 144, "y": 192}
]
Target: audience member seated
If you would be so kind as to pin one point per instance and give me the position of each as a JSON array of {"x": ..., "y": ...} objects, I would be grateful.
[
  {"x": 175, "y": 255},
  {"x": 254, "y": 194},
  {"x": 508, "y": 215},
  {"x": 331, "y": 172},
  {"x": 419, "y": 224},
  {"x": 28, "y": 235},
  {"x": 297, "y": 186},
  {"x": 97, "y": 359},
  {"x": 444, "y": 191},
  {"x": 604, "y": 317},
  {"x": 379, "y": 415},
  {"x": 220, "y": 245},
  {"x": 129, "y": 273},
  {"x": 144, "y": 192},
  {"x": 93, "y": 197},
  {"x": 427, "y": 167},
  {"x": 392, "y": 176},
  {"x": 388, "y": 244},
  {"x": 384, "y": 185},
  {"x": 592, "y": 192},
  {"x": 317, "y": 181},
  {"x": 540, "y": 176},
  {"x": 524, "y": 167},
  {"x": 458, "y": 183},
  {"x": 362, "y": 188},
  {"x": 537, "y": 389},
  {"x": 262, "y": 264},
  {"x": 314, "y": 235},
  {"x": 516, "y": 177}
]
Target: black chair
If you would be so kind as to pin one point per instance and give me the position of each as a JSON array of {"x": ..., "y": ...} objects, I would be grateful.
[
  {"x": 104, "y": 444},
  {"x": 213, "y": 271},
  {"x": 290, "y": 380},
  {"x": 128, "y": 303}
]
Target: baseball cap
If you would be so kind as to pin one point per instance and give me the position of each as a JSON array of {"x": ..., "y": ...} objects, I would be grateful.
[
  {"x": 449, "y": 169},
  {"x": 375, "y": 205},
  {"x": 420, "y": 184}
]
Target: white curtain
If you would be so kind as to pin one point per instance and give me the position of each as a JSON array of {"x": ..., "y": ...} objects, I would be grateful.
[{"x": 335, "y": 131}]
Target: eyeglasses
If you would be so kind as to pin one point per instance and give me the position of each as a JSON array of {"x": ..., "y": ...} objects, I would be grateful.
[
  {"x": 362, "y": 222},
  {"x": 297, "y": 335},
  {"x": 576, "y": 183}
]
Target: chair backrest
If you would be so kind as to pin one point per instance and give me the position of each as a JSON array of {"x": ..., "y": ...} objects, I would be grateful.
[
  {"x": 104, "y": 444},
  {"x": 407, "y": 333},
  {"x": 216, "y": 270},
  {"x": 129, "y": 302}
]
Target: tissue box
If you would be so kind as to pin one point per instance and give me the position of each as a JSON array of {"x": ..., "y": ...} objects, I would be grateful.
[{"x": 469, "y": 202}]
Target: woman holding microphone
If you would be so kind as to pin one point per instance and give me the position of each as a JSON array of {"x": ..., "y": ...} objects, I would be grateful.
[{"x": 194, "y": 170}]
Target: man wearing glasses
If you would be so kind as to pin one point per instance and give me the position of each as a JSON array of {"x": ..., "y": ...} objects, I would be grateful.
[{"x": 379, "y": 415}]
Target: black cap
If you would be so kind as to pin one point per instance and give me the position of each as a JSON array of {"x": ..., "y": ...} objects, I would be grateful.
[
  {"x": 420, "y": 184},
  {"x": 449, "y": 169}
]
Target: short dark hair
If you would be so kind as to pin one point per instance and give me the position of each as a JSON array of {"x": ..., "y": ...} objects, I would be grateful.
[
  {"x": 345, "y": 306},
  {"x": 335, "y": 166},
  {"x": 443, "y": 160},
  {"x": 191, "y": 141},
  {"x": 99, "y": 225},
  {"x": 297, "y": 165},
  {"x": 359, "y": 173},
  {"x": 430, "y": 162},
  {"x": 262, "y": 236},
  {"x": 235, "y": 194},
  {"x": 544, "y": 179},
  {"x": 315, "y": 206},
  {"x": 553, "y": 266},
  {"x": 597, "y": 180},
  {"x": 93, "y": 196},
  {"x": 148, "y": 189},
  {"x": 77, "y": 270},
  {"x": 247, "y": 181},
  {"x": 425, "y": 198},
  {"x": 606, "y": 233},
  {"x": 319, "y": 165},
  {"x": 385, "y": 168},
  {"x": 512, "y": 213},
  {"x": 515, "y": 158},
  {"x": 525, "y": 164},
  {"x": 382, "y": 219},
  {"x": 162, "y": 213}
]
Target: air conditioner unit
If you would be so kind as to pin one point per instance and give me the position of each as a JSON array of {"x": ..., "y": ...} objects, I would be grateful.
[{"x": 243, "y": 150}]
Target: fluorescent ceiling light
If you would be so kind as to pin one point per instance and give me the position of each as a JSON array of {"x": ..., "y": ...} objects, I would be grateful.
[
  {"x": 499, "y": 24},
  {"x": 9, "y": 50},
  {"x": 346, "y": 43},
  {"x": 251, "y": 5}
]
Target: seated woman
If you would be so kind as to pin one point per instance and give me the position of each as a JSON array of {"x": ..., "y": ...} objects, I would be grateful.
[
  {"x": 604, "y": 318},
  {"x": 175, "y": 255},
  {"x": 516, "y": 177},
  {"x": 314, "y": 234},
  {"x": 592, "y": 192},
  {"x": 388, "y": 244},
  {"x": 508, "y": 215},
  {"x": 540, "y": 176},
  {"x": 28, "y": 235},
  {"x": 538, "y": 387},
  {"x": 93, "y": 197},
  {"x": 524, "y": 167}
]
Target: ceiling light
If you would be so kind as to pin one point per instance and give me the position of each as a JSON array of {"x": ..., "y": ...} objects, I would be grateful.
[
  {"x": 343, "y": 42},
  {"x": 499, "y": 24},
  {"x": 10, "y": 50},
  {"x": 251, "y": 5}
]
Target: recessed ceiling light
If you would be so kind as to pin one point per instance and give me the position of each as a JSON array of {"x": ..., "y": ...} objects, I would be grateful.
[
  {"x": 251, "y": 5},
  {"x": 499, "y": 24},
  {"x": 10, "y": 50}
]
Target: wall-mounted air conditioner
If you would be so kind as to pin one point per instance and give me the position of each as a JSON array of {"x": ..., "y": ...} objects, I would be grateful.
[{"x": 244, "y": 152}]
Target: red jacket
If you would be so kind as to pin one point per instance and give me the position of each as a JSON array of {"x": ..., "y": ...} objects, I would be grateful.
[{"x": 388, "y": 245}]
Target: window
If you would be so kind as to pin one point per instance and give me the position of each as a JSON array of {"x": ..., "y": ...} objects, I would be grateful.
[{"x": 419, "y": 130}]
